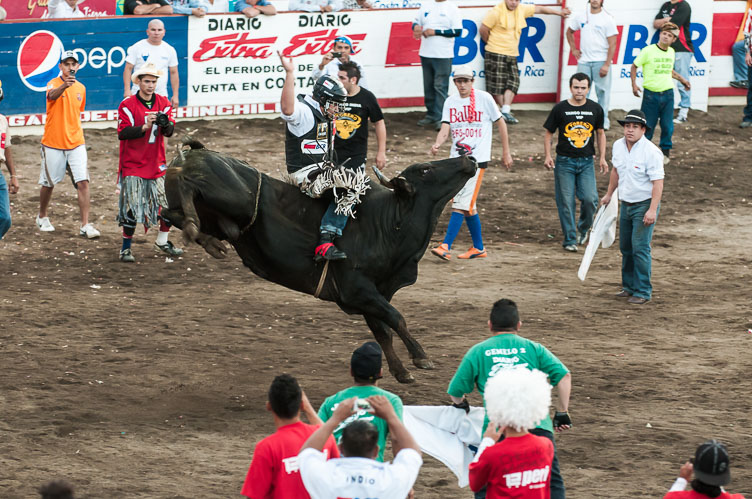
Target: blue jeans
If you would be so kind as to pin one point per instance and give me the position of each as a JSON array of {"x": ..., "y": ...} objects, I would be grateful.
[
  {"x": 331, "y": 222},
  {"x": 186, "y": 6},
  {"x": 682, "y": 61},
  {"x": 659, "y": 106},
  {"x": 4, "y": 207},
  {"x": 557, "y": 482},
  {"x": 634, "y": 243},
  {"x": 602, "y": 86},
  {"x": 575, "y": 177},
  {"x": 748, "y": 107},
  {"x": 435, "y": 85},
  {"x": 740, "y": 65}
]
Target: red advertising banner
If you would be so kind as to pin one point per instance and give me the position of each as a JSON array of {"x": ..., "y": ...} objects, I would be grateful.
[{"x": 36, "y": 9}]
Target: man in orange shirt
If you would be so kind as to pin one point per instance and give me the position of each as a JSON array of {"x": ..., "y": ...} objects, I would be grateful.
[{"x": 63, "y": 145}]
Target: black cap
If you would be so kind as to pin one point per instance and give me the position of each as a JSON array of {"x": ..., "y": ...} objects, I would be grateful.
[
  {"x": 712, "y": 463},
  {"x": 366, "y": 361},
  {"x": 635, "y": 116}
]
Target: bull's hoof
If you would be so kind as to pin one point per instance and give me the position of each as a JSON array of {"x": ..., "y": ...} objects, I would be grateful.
[
  {"x": 216, "y": 248},
  {"x": 404, "y": 377},
  {"x": 423, "y": 363}
]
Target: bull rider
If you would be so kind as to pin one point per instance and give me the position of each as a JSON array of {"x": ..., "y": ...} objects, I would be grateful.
[
  {"x": 143, "y": 121},
  {"x": 309, "y": 154}
]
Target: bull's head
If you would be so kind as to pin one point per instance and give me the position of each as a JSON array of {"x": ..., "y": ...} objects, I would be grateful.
[{"x": 438, "y": 180}]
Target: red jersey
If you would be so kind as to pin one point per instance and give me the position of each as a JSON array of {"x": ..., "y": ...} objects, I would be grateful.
[
  {"x": 274, "y": 470},
  {"x": 691, "y": 494},
  {"x": 518, "y": 467},
  {"x": 145, "y": 156}
]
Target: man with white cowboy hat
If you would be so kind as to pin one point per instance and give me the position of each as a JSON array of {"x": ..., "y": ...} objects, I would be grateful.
[
  {"x": 638, "y": 173},
  {"x": 64, "y": 9},
  {"x": 143, "y": 121}
]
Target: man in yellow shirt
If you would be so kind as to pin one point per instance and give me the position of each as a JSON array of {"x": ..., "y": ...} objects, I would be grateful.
[
  {"x": 658, "y": 74},
  {"x": 501, "y": 29},
  {"x": 63, "y": 147}
]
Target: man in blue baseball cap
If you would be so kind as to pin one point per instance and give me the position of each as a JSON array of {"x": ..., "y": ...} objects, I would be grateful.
[{"x": 342, "y": 50}]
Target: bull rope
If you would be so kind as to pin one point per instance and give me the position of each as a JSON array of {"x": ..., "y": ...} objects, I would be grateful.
[
  {"x": 322, "y": 280},
  {"x": 255, "y": 208}
]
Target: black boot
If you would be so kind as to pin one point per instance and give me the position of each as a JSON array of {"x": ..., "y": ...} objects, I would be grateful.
[{"x": 326, "y": 250}]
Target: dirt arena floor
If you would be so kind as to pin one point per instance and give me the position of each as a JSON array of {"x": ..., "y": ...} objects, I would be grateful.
[{"x": 149, "y": 380}]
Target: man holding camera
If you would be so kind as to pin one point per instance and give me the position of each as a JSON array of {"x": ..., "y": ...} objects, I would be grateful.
[
  {"x": 143, "y": 122},
  {"x": 341, "y": 53},
  {"x": 63, "y": 145},
  {"x": 365, "y": 368}
]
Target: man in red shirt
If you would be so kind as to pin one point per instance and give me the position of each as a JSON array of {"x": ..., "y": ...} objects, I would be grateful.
[
  {"x": 274, "y": 472},
  {"x": 143, "y": 121},
  {"x": 517, "y": 464}
]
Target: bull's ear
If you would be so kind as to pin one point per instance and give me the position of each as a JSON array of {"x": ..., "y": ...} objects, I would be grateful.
[{"x": 401, "y": 185}]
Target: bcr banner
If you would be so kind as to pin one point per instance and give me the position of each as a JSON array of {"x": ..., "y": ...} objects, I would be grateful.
[
  {"x": 634, "y": 20},
  {"x": 232, "y": 59}
]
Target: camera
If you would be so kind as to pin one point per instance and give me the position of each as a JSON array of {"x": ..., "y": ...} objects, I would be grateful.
[
  {"x": 362, "y": 405},
  {"x": 72, "y": 72},
  {"x": 162, "y": 120},
  {"x": 337, "y": 55}
]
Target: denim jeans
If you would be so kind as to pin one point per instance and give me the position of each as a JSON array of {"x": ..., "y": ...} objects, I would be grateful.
[
  {"x": 185, "y": 7},
  {"x": 740, "y": 65},
  {"x": 602, "y": 86},
  {"x": 4, "y": 207},
  {"x": 681, "y": 65},
  {"x": 748, "y": 107},
  {"x": 575, "y": 177},
  {"x": 659, "y": 106},
  {"x": 634, "y": 243},
  {"x": 435, "y": 85},
  {"x": 557, "y": 482},
  {"x": 331, "y": 222}
]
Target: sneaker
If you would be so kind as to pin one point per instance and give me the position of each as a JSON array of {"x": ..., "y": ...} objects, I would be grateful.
[
  {"x": 571, "y": 248},
  {"x": 426, "y": 121},
  {"x": 746, "y": 124},
  {"x": 44, "y": 224},
  {"x": 89, "y": 232},
  {"x": 680, "y": 119},
  {"x": 168, "y": 248},
  {"x": 442, "y": 251},
  {"x": 473, "y": 253},
  {"x": 666, "y": 160},
  {"x": 126, "y": 256},
  {"x": 509, "y": 118},
  {"x": 739, "y": 84},
  {"x": 582, "y": 238}
]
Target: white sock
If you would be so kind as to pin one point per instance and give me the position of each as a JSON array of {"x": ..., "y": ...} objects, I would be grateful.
[
  {"x": 162, "y": 238},
  {"x": 506, "y": 108},
  {"x": 683, "y": 111}
]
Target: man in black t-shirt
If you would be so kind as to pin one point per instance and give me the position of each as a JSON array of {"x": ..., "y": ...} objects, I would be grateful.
[
  {"x": 146, "y": 7},
  {"x": 351, "y": 139},
  {"x": 578, "y": 120},
  {"x": 680, "y": 13}
]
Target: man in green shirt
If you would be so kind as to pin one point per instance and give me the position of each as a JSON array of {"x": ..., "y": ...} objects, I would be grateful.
[
  {"x": 657, "y": 63},
  {"x": 365, "y": 368},
  {"x": 507, "y": 349}
]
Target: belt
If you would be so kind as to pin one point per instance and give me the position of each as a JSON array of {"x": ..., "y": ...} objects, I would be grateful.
[
  {"x": 661, "y": 92},
  {"x": 638, "y": 202}
]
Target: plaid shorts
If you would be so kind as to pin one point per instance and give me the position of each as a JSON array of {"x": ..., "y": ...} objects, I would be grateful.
[{"x": 501, "y": 73}]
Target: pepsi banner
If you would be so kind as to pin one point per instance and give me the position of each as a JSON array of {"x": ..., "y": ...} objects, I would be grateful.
[
  {"x": 634, "y": 21},
  {"x": 31, "y": 52},
  {"x": 232, "y": 59}
]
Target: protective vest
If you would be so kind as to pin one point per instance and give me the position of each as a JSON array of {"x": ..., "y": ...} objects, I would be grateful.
[{"x": 311, "y": 147}]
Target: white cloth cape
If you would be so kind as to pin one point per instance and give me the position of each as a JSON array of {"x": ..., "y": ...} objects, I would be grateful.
[
  {"x": 603, "y": 232},
  {"x": 445, "y": 432}
]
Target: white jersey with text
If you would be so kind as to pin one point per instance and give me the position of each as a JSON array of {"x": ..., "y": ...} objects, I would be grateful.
[{"x": 471, "y": 123}]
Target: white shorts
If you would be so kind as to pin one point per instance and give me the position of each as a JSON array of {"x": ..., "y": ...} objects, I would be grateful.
[
  {"x": 55, "y": 162},
  {"x": 465, "y": 199}
]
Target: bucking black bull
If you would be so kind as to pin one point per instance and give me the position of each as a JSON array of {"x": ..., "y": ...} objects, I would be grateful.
[{"x": 274, "y": 228}]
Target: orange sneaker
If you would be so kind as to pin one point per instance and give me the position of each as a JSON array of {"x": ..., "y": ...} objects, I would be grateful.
[
  {"x": 473, "y": 253},
  {"x": 442, "y": 251}
]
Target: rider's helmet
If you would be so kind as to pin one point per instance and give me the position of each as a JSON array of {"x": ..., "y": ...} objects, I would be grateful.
[{"x": 330, "y": 94}]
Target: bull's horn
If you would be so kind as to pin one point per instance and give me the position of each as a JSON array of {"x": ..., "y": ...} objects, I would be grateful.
[{"x": 382, "y": 179}]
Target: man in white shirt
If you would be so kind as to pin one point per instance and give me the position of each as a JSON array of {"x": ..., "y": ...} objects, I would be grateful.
[
  {"x": 64, "y": 9},
  {"x": 357, "y": 473},
  {"x": 153, "y": 49},
  {"x": 597, "y": 46},
  {"x": 342, "y": 50},
  {"x": 638, "y": 172},
  {"x": 315, "y": 5},
  {"x": 436, "y": 25}
]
